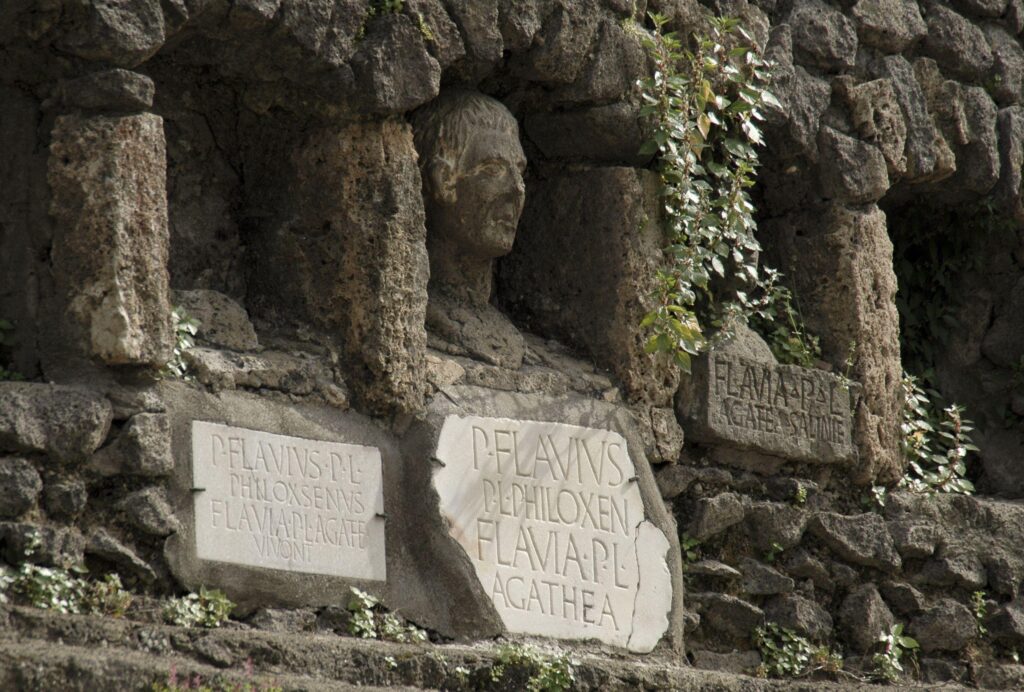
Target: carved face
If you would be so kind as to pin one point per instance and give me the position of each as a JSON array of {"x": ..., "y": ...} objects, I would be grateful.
[{"x": 478, "y": 204}]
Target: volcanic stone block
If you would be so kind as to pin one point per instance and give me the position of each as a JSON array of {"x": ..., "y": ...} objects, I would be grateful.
[
  {"x": 862, "y": 539},
  {"x": 222, "y": 321},
  {"x": 64, "y": 422},
  {"x": 958, "y": 45},
  {"x": 840, "y": 262},
  {"x": 122, "y": 33},
  {"x": 341, "y": 243},
  {"x": 547, "y": 521},
  {"x": 583, "y": 268},
  {"x": 746, "y": 402},
  {"x": 116, "y": 90},
  {"x": 890, "y": 25},
  {"x": 822, "y": 36},
  {"x": 108, "y": 180},
  {"x": 20, "y": 485}
]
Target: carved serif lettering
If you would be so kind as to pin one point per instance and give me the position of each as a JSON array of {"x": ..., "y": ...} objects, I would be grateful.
[
  {"x": 794, "y": 412},
  {"x": 552, "y": 518},
  {"x": 288, "y": 503}
]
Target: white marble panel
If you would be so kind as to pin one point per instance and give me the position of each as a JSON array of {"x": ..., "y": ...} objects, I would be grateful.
[
  {"x": 287, "y": 503},
  {"x": 552, "y": 518}
]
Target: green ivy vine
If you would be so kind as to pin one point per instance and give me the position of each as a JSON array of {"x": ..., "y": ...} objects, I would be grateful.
[{"x": 704, "y": 104}]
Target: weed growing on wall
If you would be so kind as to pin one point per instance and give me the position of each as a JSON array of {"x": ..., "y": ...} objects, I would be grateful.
[
  {"x": 780, "y": 323},
  {"x": 185, "y": 329},
  {"x": 547, "y": 673},
  {"x": 369, "y": 620},
  {"x": 980, "y": 610},
  {"x": 64, "y": 591},
  {"x": 935, "y": 443},
  {"x": 894, "y": 646},
  {"x": 786, "y": 654},
  {"x": 179, "y": 683},
  {"x": 60, "y": 589},
  {"x": 704, "y": 105},
  {"x": 208, "y": 608}
]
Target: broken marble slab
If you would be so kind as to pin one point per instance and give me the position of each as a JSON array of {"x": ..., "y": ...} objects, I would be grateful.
[{"x": 550, "y": 520}]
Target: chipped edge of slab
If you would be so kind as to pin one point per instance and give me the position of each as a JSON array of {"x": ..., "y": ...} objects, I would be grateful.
[{"x": 653, "y": 601}]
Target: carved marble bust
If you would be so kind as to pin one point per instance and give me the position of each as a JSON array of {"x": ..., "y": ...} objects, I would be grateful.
[{"x": 472, "y": 167}]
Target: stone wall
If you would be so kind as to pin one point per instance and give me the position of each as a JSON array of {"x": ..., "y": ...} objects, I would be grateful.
[{"x": 257, "y": 163}]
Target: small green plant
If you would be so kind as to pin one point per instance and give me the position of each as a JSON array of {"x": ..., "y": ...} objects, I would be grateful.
[
  {"x": 691, "y": 548},
  {"x": 800, "y": 495},
  {"x": 369, "y": 620},
  {"x": 174, "y": 683},
  {"x": 185, "y": 329},
  {"x": 6, "y": 341},
  {"x": 980, "y": 611},
  {"x": 894, "y": 645},
  {"x": 786, "y": 654},
  {"x": 774, "y": 550},
  {"x": 547, "y": 673},
  {"x": 936, "y": 448},
  {"x": 703, "y": 106},
  {"x": 62, "y": 590},
  {"x": 107, "y": 596},
  {"x": 209, "y": 608},
  {"x": 875, "y": 497},
  {"x": 782, "y": 326},
  {"x": 425, "y": 31}
]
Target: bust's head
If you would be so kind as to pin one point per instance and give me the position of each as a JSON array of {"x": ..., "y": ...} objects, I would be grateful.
[{"x": 472, "y": 165}]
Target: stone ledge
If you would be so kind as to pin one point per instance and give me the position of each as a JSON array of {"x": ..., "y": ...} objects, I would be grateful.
[{"x": 44, "y": 650}]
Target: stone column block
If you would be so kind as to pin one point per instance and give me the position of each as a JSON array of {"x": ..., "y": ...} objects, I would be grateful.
[
  {"x": 108, "y": 179},
  {"x": 344, "y": 247},
  {"x": 839, "y": 260},
  {"x": 583, "y": 269}
]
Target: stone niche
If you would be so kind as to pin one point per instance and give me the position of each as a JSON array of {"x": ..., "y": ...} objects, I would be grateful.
[
  {"x": 278, "y": 504},
  {"x": 739, "y": 397},
  {"x": 547, "y": 518}
]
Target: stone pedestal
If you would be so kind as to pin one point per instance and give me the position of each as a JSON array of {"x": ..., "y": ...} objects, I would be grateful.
[
  {"x": 342, "y": 244},
  {"x": 108, "y": 183},
  {"x": 839, "y": 260}
]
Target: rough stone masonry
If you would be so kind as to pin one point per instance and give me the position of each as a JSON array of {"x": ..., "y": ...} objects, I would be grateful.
[{"x": 420, "y": 242}]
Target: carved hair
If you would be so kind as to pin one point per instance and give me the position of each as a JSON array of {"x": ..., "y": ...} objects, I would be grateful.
[{"x": 442, "y": 128}]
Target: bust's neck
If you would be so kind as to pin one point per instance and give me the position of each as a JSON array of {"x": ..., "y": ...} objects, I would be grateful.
[{"x": 460, "y": 275}]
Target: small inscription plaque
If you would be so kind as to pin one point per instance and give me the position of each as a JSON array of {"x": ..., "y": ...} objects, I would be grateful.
[
  {"x": 786, "y": 410},
  {"x": 552, "y": 518},
  {"x": 287, "y": 503}
]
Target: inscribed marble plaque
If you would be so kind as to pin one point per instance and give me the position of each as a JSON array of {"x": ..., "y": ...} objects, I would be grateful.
[
  {"x": 287, "y": 503},
  {"x": 552, "y": 519},
  {"x": 788, "y": 411}
]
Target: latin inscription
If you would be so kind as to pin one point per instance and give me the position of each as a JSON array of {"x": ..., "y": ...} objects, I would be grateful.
[
  {"x": 549, "y": 515},
  {"x": 289, "y": 503},
  {"x": 762, "y": 398},
  {"x": 785, "y": 410}
]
